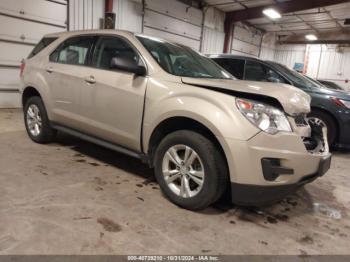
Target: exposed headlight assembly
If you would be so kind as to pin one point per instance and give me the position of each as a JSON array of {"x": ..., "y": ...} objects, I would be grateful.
[{"x": 267, "y": 118}]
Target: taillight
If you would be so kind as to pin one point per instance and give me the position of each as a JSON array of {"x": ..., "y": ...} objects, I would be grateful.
[{"x": 21, "y": 68}]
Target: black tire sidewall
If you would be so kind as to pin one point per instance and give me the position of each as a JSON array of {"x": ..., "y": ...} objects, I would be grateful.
[
  {"x": 207, "y": 152},
  {"x": 331, "y": 126}
]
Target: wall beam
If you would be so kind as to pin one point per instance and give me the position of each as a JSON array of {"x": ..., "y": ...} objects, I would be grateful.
[{"x": 108, "y": 6}]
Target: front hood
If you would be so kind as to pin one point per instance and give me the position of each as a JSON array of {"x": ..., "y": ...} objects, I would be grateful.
[
  {"x": 342, "y": 94},
  {"x": 293, "y": 100}
]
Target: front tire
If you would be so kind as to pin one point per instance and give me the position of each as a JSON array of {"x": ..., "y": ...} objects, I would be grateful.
[
  {"x": 190, "y": 170},
  {"x": 37, "y": 122},
  {"x": 326, "y": 120}
]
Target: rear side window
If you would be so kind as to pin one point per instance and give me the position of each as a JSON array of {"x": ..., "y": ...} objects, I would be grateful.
[
  {"x": 233, "y": 66},
  {"x": 108, "y": 47},
  {"x": 73, "y": 51},
  {"x": 46, "y": 41}
]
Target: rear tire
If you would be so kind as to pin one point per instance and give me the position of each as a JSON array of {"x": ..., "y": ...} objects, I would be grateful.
[
  {"x": 37, "y": 122},
  {"x": 199, "y": 162},
  {"x": 329, "y": 122}
]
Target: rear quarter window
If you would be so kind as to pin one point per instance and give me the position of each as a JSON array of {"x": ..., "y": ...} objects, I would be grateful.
[{"x": 46, "y": 41}]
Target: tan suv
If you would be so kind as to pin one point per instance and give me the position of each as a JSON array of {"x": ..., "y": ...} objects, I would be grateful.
[{"x": 203, "y": 131}]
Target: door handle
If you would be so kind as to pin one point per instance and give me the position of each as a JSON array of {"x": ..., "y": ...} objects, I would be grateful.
[
  {"x": 90, "y": 80},
  {"x": 49, "y": 70}
]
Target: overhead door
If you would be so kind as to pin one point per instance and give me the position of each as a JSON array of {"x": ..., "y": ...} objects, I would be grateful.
[
  {"x": 174, "y": 21},
  {"x": 23, "y": 23}
]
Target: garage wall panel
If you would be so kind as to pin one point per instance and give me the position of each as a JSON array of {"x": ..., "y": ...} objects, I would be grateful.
[
  {"x": 213, "y": 31},
  {"x": 176, "y": 9},
  {"x": 172, "y": 25},
  {"x": 128, "y": 15},
  {"x": 213, "y": 41},
  {"x": 246, "y": 41},
  {"x": 173, "y": 20},
  {"x": 48, "y": 12},
  {"x": 23, "y": 23},
  {"x": 85, "y": 14},
  {"x": 290, "y": 54},
  {"x": 329, "y": 62}
]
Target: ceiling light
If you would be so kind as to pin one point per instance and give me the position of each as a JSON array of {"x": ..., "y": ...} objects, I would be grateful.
[
  {"x": 271, "y": 13},
  {"x": 311, "y": 37}
]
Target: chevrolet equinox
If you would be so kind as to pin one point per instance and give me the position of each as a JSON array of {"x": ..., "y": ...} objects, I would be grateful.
[{"x": 203, "y": 131}]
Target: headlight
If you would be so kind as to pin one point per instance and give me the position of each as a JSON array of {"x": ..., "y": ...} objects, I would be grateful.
[{"x": 269, "y": 119}]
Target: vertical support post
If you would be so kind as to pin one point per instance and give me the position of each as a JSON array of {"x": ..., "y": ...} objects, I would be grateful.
[
  {"x": 228, "y": 27},
  {"x": 108, "y": 6}
]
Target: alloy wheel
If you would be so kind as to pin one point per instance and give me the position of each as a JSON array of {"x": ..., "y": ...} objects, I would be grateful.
[
  {"x": 34, "y": 121},
  {"x": 183, "y": 171}
]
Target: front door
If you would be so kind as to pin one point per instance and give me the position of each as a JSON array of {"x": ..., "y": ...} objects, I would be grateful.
[{"x": 114, "y": 100}]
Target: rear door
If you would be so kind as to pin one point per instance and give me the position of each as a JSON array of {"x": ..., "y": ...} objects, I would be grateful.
[
  {"x": 114, "y": 101},
  {"x": 66, "y": 72}
]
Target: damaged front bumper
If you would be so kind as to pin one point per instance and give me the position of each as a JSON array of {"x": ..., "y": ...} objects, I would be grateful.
[{"x": 268, "y": 167}]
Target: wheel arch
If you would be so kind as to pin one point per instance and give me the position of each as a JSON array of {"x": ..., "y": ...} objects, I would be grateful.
[
  {"x": 28, "y": 92},
  {"x": 325, "y": 111},
  {"x": 176, "y": 123}
]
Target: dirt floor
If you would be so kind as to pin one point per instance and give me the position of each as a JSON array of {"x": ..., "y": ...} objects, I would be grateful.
[{"x": 73, "y": 197}]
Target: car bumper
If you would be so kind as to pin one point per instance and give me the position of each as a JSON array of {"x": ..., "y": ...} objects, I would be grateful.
[
  {"x": 269, "y": 167},
  {"x": 255, "y": 195}
]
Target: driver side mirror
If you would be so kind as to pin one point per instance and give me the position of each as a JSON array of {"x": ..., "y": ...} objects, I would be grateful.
[{"x": 127, "y": 64}]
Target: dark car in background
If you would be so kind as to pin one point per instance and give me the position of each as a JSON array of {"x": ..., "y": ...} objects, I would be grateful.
[
  {"x": 329, "y": 107},
  {"x": 331, "y": 84}
]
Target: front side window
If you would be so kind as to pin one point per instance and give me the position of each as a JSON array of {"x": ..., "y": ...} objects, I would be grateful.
[
  {"x": 73, "y": 51},
  {"x": 180, "y": 60},
  {"x": 234, "y": 66},
  {"x": 255, "y": 71},
  {"x": 298, "y": 79},
  {"x": 110, "y": 47}
]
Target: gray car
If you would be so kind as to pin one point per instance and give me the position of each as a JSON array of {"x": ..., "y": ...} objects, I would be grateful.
[{"x": 329, "y": 107}]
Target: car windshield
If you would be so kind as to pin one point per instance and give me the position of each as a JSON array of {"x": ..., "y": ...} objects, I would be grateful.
[
  {"x": 180, "y": 60},
  {"x": 296, "y": 77},
  {"x": 332, "y": 85}
]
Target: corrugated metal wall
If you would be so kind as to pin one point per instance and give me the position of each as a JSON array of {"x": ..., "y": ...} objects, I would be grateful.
[
  {"x": 174, "y": 21},
  {"x": 246, "y": 40},
  {"x": 290, "y": 54},
  {"x": 213, "y": 31},
  {"x": 23, "y": 23},
  {"x": 85, "y": 14},
  {"x": 128, "y": 15},
  {"x": 329, "y": 62}
]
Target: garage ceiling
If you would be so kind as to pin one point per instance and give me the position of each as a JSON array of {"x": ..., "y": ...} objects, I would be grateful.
[{"x": 315, "y": 20}]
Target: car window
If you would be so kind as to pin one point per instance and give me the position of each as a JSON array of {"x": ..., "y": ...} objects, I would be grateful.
[
  {"x": 73, "y": 51},
  {"x": 296, "y": 78},
  {"x": 46, "y": 41},
  {"x": 233, "y": 66},
  {"x": 255, "y": 71},
  {"x": 179, "y": 60},
  {"x": 110, "y": 47}
]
